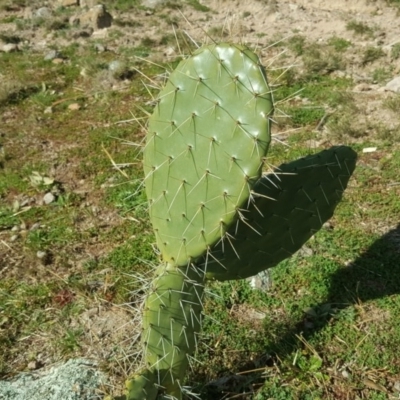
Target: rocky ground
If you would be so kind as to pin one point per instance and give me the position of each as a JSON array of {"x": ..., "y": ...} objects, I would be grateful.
[{"x": 353, "y": 41}]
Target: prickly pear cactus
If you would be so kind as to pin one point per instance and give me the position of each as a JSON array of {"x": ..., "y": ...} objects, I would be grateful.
[
  {"x": 205, "y": 148},
  {"x": 287, "y": 208},
  {"x": 213, "y": 214},
  {"x": 206, "y": 142}
]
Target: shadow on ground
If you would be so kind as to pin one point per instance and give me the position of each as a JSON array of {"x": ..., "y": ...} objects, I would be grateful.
[{"x": 373, "y": 275}]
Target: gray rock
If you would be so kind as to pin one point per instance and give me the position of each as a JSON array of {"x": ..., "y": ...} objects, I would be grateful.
[
  {"x": 41, "y": 255},
  {"x": 42, "y": 12},
  {"x": 100, "y": 48},
  {"x": 77, "y": 379},
  {"x": 9, "y": 48},
  {"x": 394, "y": 85},
  {"x": 153, "y": 3},
  {"x": 117, "y": 68},
  {"x": 51, "y": 55},
  {"x": 262, "y": 281},
  {"x": 49, "y": 198}
]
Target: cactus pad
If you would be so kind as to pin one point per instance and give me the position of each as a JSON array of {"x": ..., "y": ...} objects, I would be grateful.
[
  {"x": 205, "y": 146},
  {"x": 292, "y": 205},
  {"x": 171, "y": 323}
]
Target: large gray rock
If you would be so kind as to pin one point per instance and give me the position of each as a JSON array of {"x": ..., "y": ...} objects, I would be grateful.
[{"x": 77, "y": 379}]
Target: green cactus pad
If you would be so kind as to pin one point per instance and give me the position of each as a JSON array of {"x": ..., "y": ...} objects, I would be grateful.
[
  {"x": 205, "y": 147},
  {"x": 171, "y": 323},
  {"x": 142, "y": 386},
  {"x": 290, "y": 206}
]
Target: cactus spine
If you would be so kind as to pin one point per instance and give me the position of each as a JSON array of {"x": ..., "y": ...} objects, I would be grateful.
[{"x": 213, "y": 213}]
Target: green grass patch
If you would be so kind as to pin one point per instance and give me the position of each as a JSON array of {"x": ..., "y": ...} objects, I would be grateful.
[{"x": 359, "y": 28}]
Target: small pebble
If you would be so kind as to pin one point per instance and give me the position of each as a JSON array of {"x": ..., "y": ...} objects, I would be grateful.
[
  {"x": 100, "y": 48},
  {"x": 13, "y": 238},
  {"x": 51, "y": 55},
  {"x": 41, "y": 255},
  {"x": 32, "y": 365},
  {"x": 43, "y": 12},
  {"x": 74, "y": 107},
  {"x": 48, "y": 198},
  {"x": 35, "y": 226},
  {"x": 118, "y": 68},
  {"x": 346, "y": 374}
]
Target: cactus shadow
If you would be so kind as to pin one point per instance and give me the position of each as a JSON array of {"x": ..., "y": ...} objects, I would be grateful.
[{"x": 375, "y": 274}]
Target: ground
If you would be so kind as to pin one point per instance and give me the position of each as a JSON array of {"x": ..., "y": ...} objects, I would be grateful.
[{"x": 73, "y": 271}]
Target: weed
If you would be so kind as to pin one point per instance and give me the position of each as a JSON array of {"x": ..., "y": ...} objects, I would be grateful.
[
  {"x": 122, "y": 5},
  {"x": 123, "y": 22},
  {"x": 198, "y": 6},
  {"x": 359, "y": 28},
  {"x": 372, "y": 54},
  {"x": 296, "y": 44},
  {"x": 392, "y": 103},
  {"x": 218, "y": 32},
  {"x": 147, "y": 42},
  {"x": 339, "y": 44},
  {"x": 343, "y": 125},
  {"x": 318, "y": 61},
  {"x": 173, "y": 5},
  {"x": 10, "y": 38},
  {"x": 395, "y": 52},
  {"x": 381, "y": 75}
]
